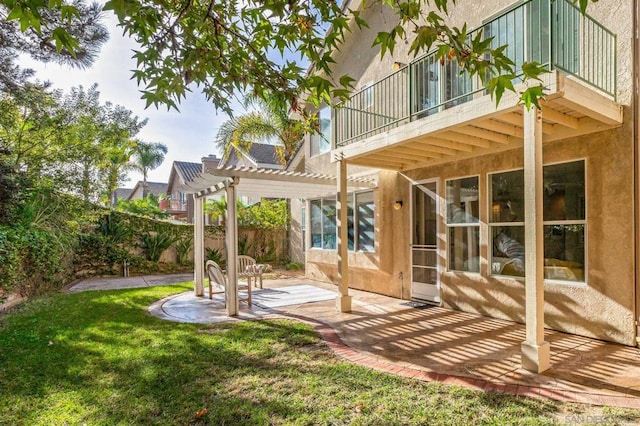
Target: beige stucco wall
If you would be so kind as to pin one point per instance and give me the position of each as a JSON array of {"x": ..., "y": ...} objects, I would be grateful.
[{"x": 601, "y": 308}]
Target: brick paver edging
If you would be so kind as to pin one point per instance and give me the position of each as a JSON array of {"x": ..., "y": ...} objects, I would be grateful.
[{"x": 335, "y": 343}]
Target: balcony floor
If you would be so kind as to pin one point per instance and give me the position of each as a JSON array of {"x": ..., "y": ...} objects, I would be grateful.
[{"x": 478, "y": 127}]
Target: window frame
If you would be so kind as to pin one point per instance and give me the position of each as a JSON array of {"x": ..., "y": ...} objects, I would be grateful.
[
  {"x": 582, "y": 222},
  {"x": 351, "y": 201},
  {"x": 449, "y": 226},
  {"x": 491, "y": 224},
  {"x": 315, "y": 138}
]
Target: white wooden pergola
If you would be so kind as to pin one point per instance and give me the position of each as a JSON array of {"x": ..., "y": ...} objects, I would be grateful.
[{"x": 272, "y": 184}]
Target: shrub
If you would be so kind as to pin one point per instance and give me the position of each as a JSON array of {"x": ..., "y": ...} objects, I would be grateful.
[
  {"x": 183, "y": 248},
  {"x": 217, "y": 255},
  {"x": 155, "y": 243},
  {"x": 294, "y": 266}
]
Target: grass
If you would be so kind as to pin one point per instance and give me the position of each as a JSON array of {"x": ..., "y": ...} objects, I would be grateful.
[{"x": 100, "y": 358}]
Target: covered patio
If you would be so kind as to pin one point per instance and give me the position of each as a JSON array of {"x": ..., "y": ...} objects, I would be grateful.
[{"x": 435, "y": 344}]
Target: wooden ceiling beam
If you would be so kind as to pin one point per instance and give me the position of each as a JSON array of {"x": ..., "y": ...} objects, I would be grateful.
[
  {"x": 555, "y": 116},
  {"x": 483, "y": 134},
  {"x": 466, "y": 139}
]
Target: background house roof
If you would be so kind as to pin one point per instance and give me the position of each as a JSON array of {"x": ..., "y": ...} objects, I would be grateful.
[
  {"x": 122, "y": 193},
  {"x": 187, "y": 171},
  {"x": 155, "y": 188},
  {"x": 259, "y": 153}
]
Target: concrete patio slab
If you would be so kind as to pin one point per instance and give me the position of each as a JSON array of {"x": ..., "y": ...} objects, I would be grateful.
[{"x": 433, "y": 343}]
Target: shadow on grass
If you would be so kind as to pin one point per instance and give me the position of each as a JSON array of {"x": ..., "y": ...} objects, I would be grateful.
[{"x": 99, "y": 357}]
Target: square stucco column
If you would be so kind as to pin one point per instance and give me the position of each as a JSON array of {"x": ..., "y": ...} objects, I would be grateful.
[
  {"x": 198, "y": 245},
  {"x": 232, "y": 251},
  {"x": 535, "y": 351},
  {"x": 343, "y": 302}
]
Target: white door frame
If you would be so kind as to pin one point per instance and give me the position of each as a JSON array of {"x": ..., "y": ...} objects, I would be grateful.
[{"x": 412, "y": 183}]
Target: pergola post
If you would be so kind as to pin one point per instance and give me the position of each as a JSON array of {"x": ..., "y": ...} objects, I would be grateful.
[
  {"x": 535, "y": 351},
  {"x": 343, "y": 302},
  {"x": 198, "y": 245},
  {"x": 232, "y": 249}
]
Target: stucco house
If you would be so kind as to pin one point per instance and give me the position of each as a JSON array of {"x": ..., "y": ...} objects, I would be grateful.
[
  {"x": 442, "y": 196},
  {"x": 139, "y": 191},
  {"x": 472, "y": 197},
  {"x": 180, "y": 203}
]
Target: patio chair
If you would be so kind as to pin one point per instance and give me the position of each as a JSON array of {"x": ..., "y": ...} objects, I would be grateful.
[
  {"x": 218, "y": 283},
  {"x": 247, "y": 268}
]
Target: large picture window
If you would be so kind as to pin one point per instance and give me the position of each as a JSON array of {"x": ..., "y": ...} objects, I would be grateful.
[
  {"x": 564, "y": 221},
  {"x": 360, "y": 222},
  {"x": 463, "y": 225},
  {"x": 321, "y": 141},
  {"x": 506, "y": 223}
]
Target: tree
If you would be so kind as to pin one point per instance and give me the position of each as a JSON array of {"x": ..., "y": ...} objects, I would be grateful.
[
  {"x": 148, "y": 156},
  {"x": 268, "y": 123},
  {"x": 73, "y": 143},
  {"x": 66, "y": 33},
  {"x": 229, "y": 47}
]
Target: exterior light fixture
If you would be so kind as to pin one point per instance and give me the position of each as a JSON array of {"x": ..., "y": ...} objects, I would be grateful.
[
  {"x": 398, "y": 65},
  {"x": 397, "y": 205}
]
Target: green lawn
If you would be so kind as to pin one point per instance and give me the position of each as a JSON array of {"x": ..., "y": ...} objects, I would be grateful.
[{"x": 100, "y": 358}]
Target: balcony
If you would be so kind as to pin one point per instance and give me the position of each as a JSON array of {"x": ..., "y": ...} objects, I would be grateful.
[{"x": 427, "y": 113}]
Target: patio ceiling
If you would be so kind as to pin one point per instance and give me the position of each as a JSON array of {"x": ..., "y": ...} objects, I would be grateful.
[
  {"x": 270, "y": 183},
  {"x": 478, "y": 127}
]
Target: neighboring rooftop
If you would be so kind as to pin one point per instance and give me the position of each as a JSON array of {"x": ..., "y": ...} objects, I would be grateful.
[
  {"x": 122, "y": 193},
  {"x": 259, "y": 153},
  {"x": 155, "y": 188},
  {"x": 187, "y": 171}
]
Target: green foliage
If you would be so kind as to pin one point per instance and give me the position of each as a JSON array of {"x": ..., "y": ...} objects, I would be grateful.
[
  {"x": 183, "y": 248},
  {"x": 31, "y": 260},
  {"x": 148, "y": 206},
  {"x": 226, "y": 48},
  {"x": 154, "y": 244},
  {"x": 73, "y": 143},
  {"x": 245, "y": 247},
  {"x": 265, "y": 214},
  {"x": 294, "y": 266},
  {"x": 269, "y": 123},
  {"x": 66, "y": 33},
  {"x": 217, "y": 255},
  {"x": 146, "y": 157}
]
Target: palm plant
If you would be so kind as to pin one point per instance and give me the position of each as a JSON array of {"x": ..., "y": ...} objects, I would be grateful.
[
  {"x": 269, "y": 123},
  {"x": 148, "y": 156}
]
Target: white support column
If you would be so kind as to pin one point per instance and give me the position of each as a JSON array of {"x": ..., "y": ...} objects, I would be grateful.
[
  {"x": 232, "y": 250},
  {"x": 198, "y": 245},
  {"x": 343, "y": 302},
  {"x": 535, "y": 351}
]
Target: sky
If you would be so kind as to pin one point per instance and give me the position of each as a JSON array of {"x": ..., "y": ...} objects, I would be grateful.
[{"x": 188, "y": 134}]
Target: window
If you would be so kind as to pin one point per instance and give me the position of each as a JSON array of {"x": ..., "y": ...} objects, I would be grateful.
[
  {"x": 564, "y": 222},
  {"x": 463, "y": 225},
  {"x": 506, "y": 223},
  {"x": 316, "y": 223},
  {"x": 321, "y": 141},
  {"x": 329, "y": 224},
  {"x": 365, "y": 220},
  {"x": 360, "y": 222}
]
